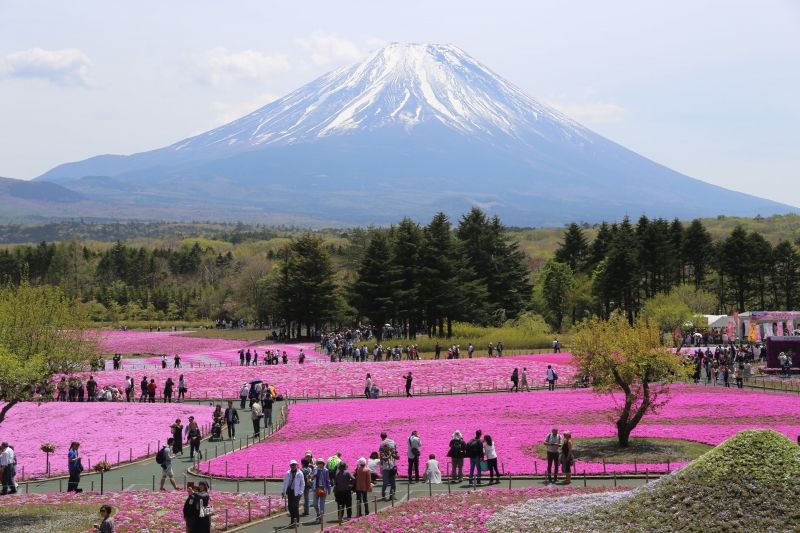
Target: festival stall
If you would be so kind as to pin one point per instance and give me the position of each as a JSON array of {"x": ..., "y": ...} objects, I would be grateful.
[{"x": 757, "y": 326}]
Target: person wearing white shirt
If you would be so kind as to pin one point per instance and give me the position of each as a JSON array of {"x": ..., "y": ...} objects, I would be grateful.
[
  {"x": 414, "y": 445},
  {"x": 491, "y": 459},
  {"x": 8, "y": 468},
  {"x": 551, "y": 378},
  {"x": 293, "y": 485},
  {"x": 432, "y": 472}
]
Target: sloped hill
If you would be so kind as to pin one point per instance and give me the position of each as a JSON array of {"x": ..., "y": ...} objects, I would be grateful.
[{"x": 750, "y": 482}]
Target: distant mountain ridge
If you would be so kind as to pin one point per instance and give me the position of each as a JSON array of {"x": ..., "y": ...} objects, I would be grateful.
[{"x": 411, "y": 130}]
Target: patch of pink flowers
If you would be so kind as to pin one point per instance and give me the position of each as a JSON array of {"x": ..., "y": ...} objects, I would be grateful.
[
  {"x": 314, "y": 379},
  {"x": 517, "y": 422},
  {"x": 138, "y": 511},
  {"x": 465, "y": 512},
  {"x": 105, "y": 430}
]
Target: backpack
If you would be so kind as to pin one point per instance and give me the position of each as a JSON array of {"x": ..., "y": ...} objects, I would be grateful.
[{"x": 161, "y": 456}]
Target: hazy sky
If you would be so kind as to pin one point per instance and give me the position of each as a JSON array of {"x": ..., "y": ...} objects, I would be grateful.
[{"x": 710, "y": 88}]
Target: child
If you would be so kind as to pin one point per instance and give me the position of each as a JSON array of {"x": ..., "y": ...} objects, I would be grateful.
[{"x": 432, "y": 472}]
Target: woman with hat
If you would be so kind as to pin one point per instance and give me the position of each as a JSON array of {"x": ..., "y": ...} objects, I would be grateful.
[
  {"x": 196, "y": 504},
  {"x": 321, "y": 485}
]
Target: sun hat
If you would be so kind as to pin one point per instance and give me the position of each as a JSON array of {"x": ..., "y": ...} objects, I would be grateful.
[{"x": 292, "y": 462}]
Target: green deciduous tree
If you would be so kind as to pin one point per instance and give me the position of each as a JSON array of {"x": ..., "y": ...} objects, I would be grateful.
[
  {"x": 41, "y": 334},
  {"x": 620, "y": 357}
]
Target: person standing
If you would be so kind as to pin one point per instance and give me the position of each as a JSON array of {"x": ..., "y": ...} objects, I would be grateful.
[
  {"x": 151, "y": 391},
  {"x": 321, "y": 487},
  {"x": 164, "y": 458},
  {"x": 553, "y": 443},
  {"x": 525, "y": 380},
  {"x": 293, "y": 484},
  {"x": 241, "y": 357},
  {"x": 474, "y": 450},
  {"x": 177, "y": 361},
  {"x": 163, "y": 361},
  {"x": 470, "y": 350},
  {"x": 243, "y": 396},
  {"x": 143, "y": 389},
  {"x": 177, "y": 437},
  {"x": 552, "y": 377},
  {"x": 8, "y": 469},
  {"x": 414, "y": 451},
  {"x": 556, "y": 346},
  {"x": 247, "y": 357},
  {"x": 437, "y": 350},
  {"x": 307, "y": 470},
  {"x": 91, "y": 388},
  {"x": 266, "y": 406},
  {"x": 231, "y": 419},
  {"x": 168, "y": 386},
  {"x": 409, "y": 380},
  {"x": 363, "y": 486},
  {"x": 567, "y": 459},
  {"x": 74, "y": 467},
  {"x": 343, "y": 484},
  {"x": 491, "y": 458},
  {"x": 388, "y": 456},
  {"x": 499, "y": 348},
  {"x": 198, "y": 499},
  {"x": 490, "y": 349},
  {"x": 128, "y": 389},
  {"x": 255, "y": 416},
  {"x": 367, "y": 385},
  {"x": 515, "y": 381},
  {"x": 738, "y": 375},
  {"x": 193, "y": 436},
  {"x": 107, "y": 523},
  {"x": 456, "y": 453},
  {"x": 182, "y": 389}
]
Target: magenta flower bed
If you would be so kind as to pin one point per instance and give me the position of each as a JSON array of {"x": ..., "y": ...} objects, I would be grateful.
[
  {"x": 162, "y": 512},
  {"x": 518, "y": 422},
  {"x": 166, "y": 342},
  {"x": 347, "y": 379},
  {"x": 104, "y": 429}
]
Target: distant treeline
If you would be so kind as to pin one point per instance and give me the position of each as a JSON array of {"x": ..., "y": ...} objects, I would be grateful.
[{"x": 426, "y": 276}]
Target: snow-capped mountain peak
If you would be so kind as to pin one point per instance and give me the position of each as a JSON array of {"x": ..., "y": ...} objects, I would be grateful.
[{"x": 399, "y": 85}]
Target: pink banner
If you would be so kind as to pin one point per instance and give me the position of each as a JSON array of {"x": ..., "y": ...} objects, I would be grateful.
[{"x": 780, "y": 329}]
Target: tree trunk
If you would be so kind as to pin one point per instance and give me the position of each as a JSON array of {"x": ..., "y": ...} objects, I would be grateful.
[{"x": 6, "y": 408}]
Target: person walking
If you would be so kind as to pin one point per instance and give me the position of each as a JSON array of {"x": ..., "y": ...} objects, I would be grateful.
[
  {"x": 474, "y": 451},
  {"x": 414, "y": 451},
  {"x": 524, "y": 384},
  {"x": 177, "y": 437},
  {"x": 515, "y": 381},
  {"x": 409, "y": 379},
  {"x": 164, "y": 458},
  {"x": 198, "y": 500},
  {"x": 74, "y": 466},
  {"x": 231, "y": 419},
  {"x": 363, "y": 485},
  {"x": 266, "y": 407},
  {"x": 255, "y": 416},
  {"x": 106, "y": 524},
  {"x": 552, "y": 443},
  {"x": 432, "y": 472},
  {"x": 193, "y": 436},
  {"x": 491, "y": 459},
  {"x": 8, "y": 469},
  {"x": 567, "y": 459},
  {"x": 456, "y": 451},
  {"x": 551, "y": 377},
  {"x": 321, "y": 487},
  {"x": 388, "y": 456},
  {"x": 293, "y": 484},
  {"x": 343, "y": 484}
]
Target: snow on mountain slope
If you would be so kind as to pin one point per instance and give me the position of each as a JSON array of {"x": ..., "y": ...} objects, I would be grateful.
[{"x": 403, "y": 85}]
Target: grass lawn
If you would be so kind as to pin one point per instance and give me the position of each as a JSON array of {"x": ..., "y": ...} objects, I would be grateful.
[
  {"x": 650, "y": 450},
  {"x": 65, "y": 518}
]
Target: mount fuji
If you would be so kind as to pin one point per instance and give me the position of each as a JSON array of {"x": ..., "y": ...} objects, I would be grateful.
[{"x": 411, "y": 130}]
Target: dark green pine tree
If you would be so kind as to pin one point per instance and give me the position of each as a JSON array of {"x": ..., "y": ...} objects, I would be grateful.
[
  {"x": 574, "y": 249},
  {"x": 307, "y": 293},
  {"x": 735, "y": 269},
  {"x": 785, "y": 275},
  {"x": 406, "y": 252},
  {"x": 497, "y": 263},
  {"x": 621, "y": 274},
  {"x": 697, "y": 251},
  {"x": 372, "y": 293},
  {"x": 599, "y": 247},
  {"x": 676, "y": 232},
  {"x": 760, "y": 256}
]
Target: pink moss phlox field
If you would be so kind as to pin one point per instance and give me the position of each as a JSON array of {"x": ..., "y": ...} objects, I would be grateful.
[
  {"x": 102, "y": 428},
  {"x": 166, "y": 342},
  {"x": 347, "y": 378},
  {"x": 162, "y": 512},
  {"x": 517, "y": 422},
  {"x": 465, "y": 512}
]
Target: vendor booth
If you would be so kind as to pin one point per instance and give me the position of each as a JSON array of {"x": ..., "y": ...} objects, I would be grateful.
[{"x": 757, "y": 326}]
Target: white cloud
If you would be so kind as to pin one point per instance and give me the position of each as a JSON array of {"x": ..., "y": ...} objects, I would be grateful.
[
  {"x": 327, "y": 49},
  {"x": 68, "y": 66},
  {"x": 220, "y": 66},
  {"x": 227, "y": 112},
  {"x": 591, "y": 112}
]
